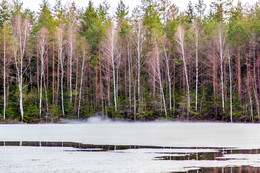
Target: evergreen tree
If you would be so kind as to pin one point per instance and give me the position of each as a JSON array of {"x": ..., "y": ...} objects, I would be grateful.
[
  {"x": 200, "y": 8},
  {"x": 5, "y": 11},
  {"x": 121, "y": 16},
  {"x": 220, "y": 9},
  {"x": 45, "y": 18},
  {"x": 190, "y": 12}
]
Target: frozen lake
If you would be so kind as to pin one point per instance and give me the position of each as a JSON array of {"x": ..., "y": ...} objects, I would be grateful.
[{"x": 129, "y": 147}]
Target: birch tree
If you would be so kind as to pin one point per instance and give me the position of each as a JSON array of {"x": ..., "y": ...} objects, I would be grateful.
[
  {"x": 251, "y": 74},
  {"x": 42, "y": 40},
  {"x": 111, "y": 54},
  {"x": 83, "y": 46},
  {"x": 221, "y": 43},
  {"x": 249, "y": 87},
  {"x": 6, "y": 38},
  {"x": 21, "y": 28},
  {"x": 196, "y": 40},
  {"x": 72, "y": 31},
  {"x": 180, "y": 39},
  {"x": 4, "y": 62},
  {"x": 230, "y": 86},
  {"x": 167, "y": 61},
  {"x": 60, "y": 45},
  {"x": 158, "y": 72},
  {"x": 129, "y": 60},
  {"x": 4, "y": 16},
  {"x": 138, "y": 41},
  {"x": 139, "y": 52}
]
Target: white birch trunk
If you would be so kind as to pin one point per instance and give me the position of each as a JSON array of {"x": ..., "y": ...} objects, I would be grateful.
[
  {"x": 70, "y": 67},
  {"x": 248, "y": 81},
  {"x": 129, "y": 75},
  {"x": 81, "y": 84},
  {"x": 20, "y": 77},
  {"x": 159, "y": 78},
  {"x": 42, "y": 37},
  {"x": 4, "y": 75},
  {"x": 20, "y": 85},
  {"x": 72, "y": 40},
  {"x": 42, "y": 49},
  {"x": 230, "y": 88},
  {"x": 251, "y": 105},
  {"x": 60, "y": 44},
  {"x": 61, "y": 81},
  {"x": 134, "y": 100},
  {"x": 139, "y": 50},
  {"x": 197, "y": 68},
  {"x": 221, "y": 52},
  {"x": 21, "y": 96},
  {"x": 187, "y": 80},
  {"x": 180, "y": 40},
  {"x": 257, "y": 101},
  {"x": 169, "y": 78},
  {"x": 21, "y": 32},
  {"x": 46, "y": 96},
  {"x": 21, "y": 29},
  {"x": 23, "y": 43},
  {"x": 113, "y": 67},
  {"x": 117, "y": 78}
]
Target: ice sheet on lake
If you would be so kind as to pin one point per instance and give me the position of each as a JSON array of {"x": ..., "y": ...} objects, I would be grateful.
[
  {"x": 58, "y": 159},
  {"x": 67, "y": 159},
  {"x": 151, "y": 134}
]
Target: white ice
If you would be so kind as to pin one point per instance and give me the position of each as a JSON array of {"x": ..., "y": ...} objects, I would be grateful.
[
  {"x": 58, "y": 159},
  {"x": 151, "y": 134}
]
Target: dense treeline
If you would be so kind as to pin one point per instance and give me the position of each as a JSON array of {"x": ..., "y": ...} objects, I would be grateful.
[{"x": 155, "y": 62}]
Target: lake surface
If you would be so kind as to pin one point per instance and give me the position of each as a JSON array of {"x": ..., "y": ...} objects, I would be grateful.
[{"x": 130, "y": 147}]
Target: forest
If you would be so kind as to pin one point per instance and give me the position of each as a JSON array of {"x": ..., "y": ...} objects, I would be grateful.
[{"x": 155, "y": 62}]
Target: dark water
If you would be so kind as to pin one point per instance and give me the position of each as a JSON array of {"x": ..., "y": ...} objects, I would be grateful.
[
  {"x": 209, "y": 155},
  {"x": 242, "y": 169},
  {"x": 79, "y": 147}
]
